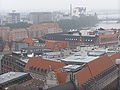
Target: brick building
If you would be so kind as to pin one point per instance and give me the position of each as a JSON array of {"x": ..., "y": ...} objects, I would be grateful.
[
  {"x": 107, "y": 40},
  {"x": 18, "y": 34},
  {"x": 11, "y": 62},
  {"x": 74, "y": 39},
  {"x": 4, "y": 33},
  {"x": 56, "y": 45},
  {"x": 21, "y": 80},
  {"x": 46, "y": 70},
  {"x": 38, "y": 30}
]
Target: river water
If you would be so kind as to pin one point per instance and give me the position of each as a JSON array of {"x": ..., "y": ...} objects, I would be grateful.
[{"x": 108, "y": 25}]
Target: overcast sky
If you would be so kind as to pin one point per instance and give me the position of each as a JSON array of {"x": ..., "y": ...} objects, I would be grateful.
[{"x": 57, "y": 4}]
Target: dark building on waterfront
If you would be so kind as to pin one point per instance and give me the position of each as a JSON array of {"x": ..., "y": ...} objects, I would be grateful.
[{"x": 73, "y": 38}]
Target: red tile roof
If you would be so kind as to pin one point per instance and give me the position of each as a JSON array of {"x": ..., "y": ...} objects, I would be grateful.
[
  {"x": 95, "y": 67},
  {"x": 43, "y": 63},
  {"x": 83, "y": 75},
  {"x": 107, "y": 36},
  {"x": 61, "y": 76},
  {"x": 30, "y": 41},
  {"x": 114, "y": 57},
  {"x": 51, "y": 44},
  {"x": 45, "y": 25},
  {"x": 99, "y": 65}
]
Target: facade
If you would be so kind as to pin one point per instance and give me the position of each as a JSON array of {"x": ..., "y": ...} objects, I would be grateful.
[
  {"x": 18, "y": 34},
  {"x": 107, "y": 40},
  {"x": 19, "y": 46},
  {"x": 35, "y": 42},
  {"x": 4, "y": 33},
  {"x": 39, "y": 30},
  {"x": 11, "y": 63},
  {"x": 74, "y": 39},
  {"x": 56, "y": 45},
  {"x": 98, "y": 74},
  {"x": 13, "y": 80},
  {"x": 89, "y": 40},
  {"x": 46, "y": 70},
  {"x": 13, "y": 17},
  {"x": 40, "y": 17}
]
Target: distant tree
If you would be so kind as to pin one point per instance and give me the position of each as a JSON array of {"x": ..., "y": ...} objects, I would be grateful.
[
  {"x": 77, "y": 23},
  {"x": 17, "y": 25}
]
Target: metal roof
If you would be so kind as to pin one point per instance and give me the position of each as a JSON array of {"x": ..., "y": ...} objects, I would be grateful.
[
  {"x": 79, "y": 57},
  {"x": 10, "y": 76},
  {"x": 72, "y": 68}
]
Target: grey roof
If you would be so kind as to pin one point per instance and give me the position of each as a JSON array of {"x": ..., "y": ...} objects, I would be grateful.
[
  {"x": 10, "y": 76},
  {"x": 79, "y": 57},
  {"x": 66, "y": 86},
  {"x": 72, "y": 68},
  {"x": 96, "y": 53},
  {"x": 1, "y": 56}
]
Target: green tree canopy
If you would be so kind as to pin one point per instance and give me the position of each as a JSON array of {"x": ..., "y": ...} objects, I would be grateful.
[
  {"x": 17, "y": 25},
  {"x": 77, "y": 23}
]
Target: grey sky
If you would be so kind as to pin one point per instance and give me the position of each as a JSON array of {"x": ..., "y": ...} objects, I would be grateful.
[{"x": 57, "y": 4}]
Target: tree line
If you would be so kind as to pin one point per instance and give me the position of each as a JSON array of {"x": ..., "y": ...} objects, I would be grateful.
[
  {"x": 77, "y": 23},
  {"x": 17, "y": 25}
]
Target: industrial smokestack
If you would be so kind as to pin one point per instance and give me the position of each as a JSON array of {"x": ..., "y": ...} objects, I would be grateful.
[{"x": 70, "y": 9}]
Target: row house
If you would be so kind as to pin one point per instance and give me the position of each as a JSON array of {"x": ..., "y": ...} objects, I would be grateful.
[
  {"x": 89, "y": 40},
  {"x": 47, "y": 44},
  {"x": 46, "y": 70},
  {"x": 4, "y": 33},
  {"x": 18, "y": 34},
  {"x": 107, "y": 40},
  {"x": 74, "y": 39},
  {"x": 100, "y": 73},
  {"x": 38, "y": 30},
  {"x": 11, "y": 62}
]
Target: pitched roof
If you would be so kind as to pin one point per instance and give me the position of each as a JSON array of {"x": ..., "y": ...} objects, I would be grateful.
[
  {"x": 99, "y": 65},
  {"x": 52, "y": 44},
  {"x": 45, "y": 25},
  {"x": 43, "y": 63},
  {"x": 61, "y": 76},
  {"x": 65, "y": 86},
  {"x": 94, "y": 68},
  {"x": 83, "y": 75},
  {"x": 114, "y": 57},
  {"x": 30, "y": 41},
  {"x": 107, "y": 36}
]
